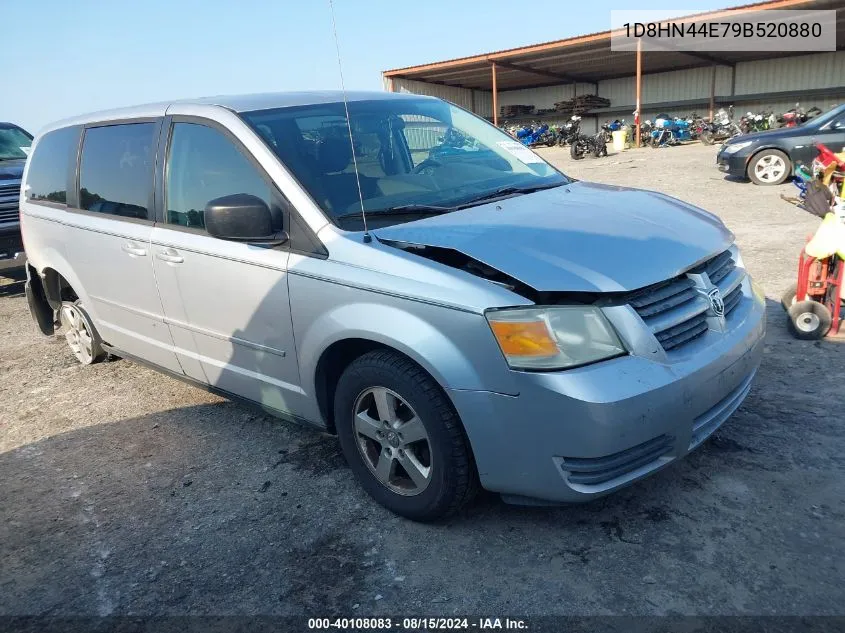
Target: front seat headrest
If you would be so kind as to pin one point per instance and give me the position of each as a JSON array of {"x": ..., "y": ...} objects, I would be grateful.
[{"x": 333, "y": 154}]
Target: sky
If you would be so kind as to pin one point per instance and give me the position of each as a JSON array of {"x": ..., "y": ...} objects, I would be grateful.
[{"x": 78, "y": 56}]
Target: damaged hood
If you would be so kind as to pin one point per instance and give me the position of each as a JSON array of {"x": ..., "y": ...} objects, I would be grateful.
[{"x": 581, "y": 237}]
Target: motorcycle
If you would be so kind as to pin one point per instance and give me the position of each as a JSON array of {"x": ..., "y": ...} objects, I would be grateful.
[
  {"x": 583, "y": 145},
  {"x": 534, "y": 136},
  {"x": 721, "y": 128},
  {"x": 796, "y": 116},
  {"x": 669, "y": 131},
  {"x": 569, "y": 131},
  {"x": 752, "y": 122},
  {"x": 608, "y": 128}
]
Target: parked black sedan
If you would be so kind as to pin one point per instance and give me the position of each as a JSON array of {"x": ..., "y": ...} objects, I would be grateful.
[{"x": 768, "y": 158}]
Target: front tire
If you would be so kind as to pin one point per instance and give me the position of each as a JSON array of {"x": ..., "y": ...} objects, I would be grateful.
[
  {"x": 577, "y": 151},
  {"x": 769, "y": 167},
  {"x": 809, "y": 320},
  {"x": 402, "y": 438},
  {"x": 706, "y": 137}
]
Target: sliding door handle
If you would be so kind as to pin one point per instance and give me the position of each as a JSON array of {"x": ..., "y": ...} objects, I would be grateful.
[
  {"x": 133, "y": 249},
  {"x": 170, "y": 256}
]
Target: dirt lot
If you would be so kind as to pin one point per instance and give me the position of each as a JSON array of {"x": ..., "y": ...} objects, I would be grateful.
[{"x": 125, "y": 492}]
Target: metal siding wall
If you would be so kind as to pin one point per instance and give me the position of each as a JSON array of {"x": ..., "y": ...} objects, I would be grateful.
[
  {"x": 483, "y": 103},
  {"x": 820, "y": 70},
  {"x": 676, "y": 85},
  {"x": 681, "y": 85},
  {"x": 620, "y": 91},
  {"x": 544, "y": 97},
  {"x": 462, "y": 97},
  {"x": 459, "y": 96}
]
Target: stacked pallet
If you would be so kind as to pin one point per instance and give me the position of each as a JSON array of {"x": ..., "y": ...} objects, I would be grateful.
[
  {"x": 581, "y": 104},
  {"x": 510, "y": 111}
]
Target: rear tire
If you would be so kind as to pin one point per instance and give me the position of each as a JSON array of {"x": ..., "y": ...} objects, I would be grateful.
[
  {"x": 707, "y": 137},
  {"x": 769, "y": 167},
  {"x": 576, "y": 151},
  {"x": 809, "y": 320},
  {"x": 382, "y": 400},
  {"x": 80, "y": 333}
]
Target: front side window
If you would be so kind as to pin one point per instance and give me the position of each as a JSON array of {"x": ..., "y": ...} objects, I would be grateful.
[
  {"x": 116, "y": 171},
  {"x": 47, "y": 177},
  {"x": 203, "y": 164},
  {"x": 14, "y": 143},
  {"x": 413, "y": 155},
  {"x": 823, "y": 119}
]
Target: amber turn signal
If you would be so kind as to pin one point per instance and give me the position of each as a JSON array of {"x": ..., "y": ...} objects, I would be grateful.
[{"x": 524, "y": 338}]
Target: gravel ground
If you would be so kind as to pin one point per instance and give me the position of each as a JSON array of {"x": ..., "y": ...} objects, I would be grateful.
[{"x": 127, "y": 492}]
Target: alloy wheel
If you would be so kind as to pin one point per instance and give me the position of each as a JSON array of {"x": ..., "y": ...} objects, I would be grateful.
[
  {"x": 78, "y": 336},
  {"x": 770, "y": 168},
  {"x": 393, "y": 441}
]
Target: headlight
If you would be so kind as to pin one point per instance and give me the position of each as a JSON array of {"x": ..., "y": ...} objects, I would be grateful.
[
  {"x": 733, "y": 148},
  {"x": 554, "y": 337}
]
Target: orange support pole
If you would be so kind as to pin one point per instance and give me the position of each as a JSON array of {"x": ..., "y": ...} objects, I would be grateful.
[
  {"x": 495, "y": 95},
  {"x": 713, "y": 92},
  {"x": 639, "y": 87}
]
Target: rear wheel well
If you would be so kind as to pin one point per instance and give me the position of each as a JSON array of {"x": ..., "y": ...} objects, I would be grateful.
[
  {"x": 57, "y": 288},
  {"x": 333, "y": 362}
]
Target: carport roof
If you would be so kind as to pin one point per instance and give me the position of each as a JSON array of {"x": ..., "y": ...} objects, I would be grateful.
[{"x": 588, "y": 58}]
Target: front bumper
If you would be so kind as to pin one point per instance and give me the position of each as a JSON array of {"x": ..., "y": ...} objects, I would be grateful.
[
  {"x": 732, "y": 164},
  {"x": 578, "y": 434},
  {"x": 12, "y": 255}
]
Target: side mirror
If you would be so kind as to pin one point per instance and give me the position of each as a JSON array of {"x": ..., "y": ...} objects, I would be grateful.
[{"x": 242, "y": 218}]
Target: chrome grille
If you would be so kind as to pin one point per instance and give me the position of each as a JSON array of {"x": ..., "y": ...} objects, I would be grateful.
[
  {"x": 732, "y": 299},
  {"x": 676, "y": 313},
  {"x": 673, "y": 311},
  {"x": 719, "y": 267},
  {"x": 9, "y": 202}
]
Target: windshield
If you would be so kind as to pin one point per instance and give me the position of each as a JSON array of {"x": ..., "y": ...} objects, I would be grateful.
[
  {"x": 14, "y": 142},
  {"x": 415, "y": 156}
]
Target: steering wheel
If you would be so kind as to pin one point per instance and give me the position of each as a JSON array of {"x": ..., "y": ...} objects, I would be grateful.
[{"x": 427, "y": 167}]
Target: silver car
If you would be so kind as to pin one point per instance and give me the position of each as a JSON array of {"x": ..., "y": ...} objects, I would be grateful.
[{"x": 408, "y": 277}]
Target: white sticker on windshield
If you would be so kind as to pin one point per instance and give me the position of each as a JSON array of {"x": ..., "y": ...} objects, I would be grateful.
[
  {"x": 519, "y": 151},
  {"x": 25, "y": 150}
]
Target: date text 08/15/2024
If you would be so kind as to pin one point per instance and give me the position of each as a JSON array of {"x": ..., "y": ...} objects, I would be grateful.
[{"x": 417, "y": 623}]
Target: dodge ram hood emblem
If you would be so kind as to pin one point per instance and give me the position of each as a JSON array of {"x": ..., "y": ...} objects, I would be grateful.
[{"x": 716, "y": 302}]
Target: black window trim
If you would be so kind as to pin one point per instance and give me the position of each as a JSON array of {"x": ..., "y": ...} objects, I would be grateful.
[
  {"x": 290, "y": 214},
  {"x": 75, "y": 208},
  {"x": 69, "y": 177}
]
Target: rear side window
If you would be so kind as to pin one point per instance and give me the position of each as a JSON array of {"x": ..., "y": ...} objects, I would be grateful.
[
  {"x": 116, "y": 171},
  {"x": 203, "y": 165},
  {"x": 48, "y": 168}
]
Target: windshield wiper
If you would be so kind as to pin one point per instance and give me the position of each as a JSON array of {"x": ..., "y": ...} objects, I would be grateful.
[
  {"x": 404, "y": 209},
  {"x": 506, "y": 191}
]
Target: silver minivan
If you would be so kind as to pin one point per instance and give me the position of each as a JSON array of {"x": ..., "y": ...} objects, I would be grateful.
[{"x": 399, "y": 272}]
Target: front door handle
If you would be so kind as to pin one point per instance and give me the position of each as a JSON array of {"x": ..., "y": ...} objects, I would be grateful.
[
  {"x": 170, "y": 256},
  {"x": 133, "y": 249}
]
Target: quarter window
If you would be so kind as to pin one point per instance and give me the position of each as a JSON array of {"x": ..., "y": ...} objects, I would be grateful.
[
  {"x": 116, "y": 171},
  {"x": 204, "y": 164},
  {"x": 47, "y": 178}
]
